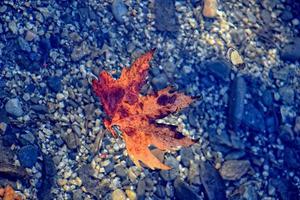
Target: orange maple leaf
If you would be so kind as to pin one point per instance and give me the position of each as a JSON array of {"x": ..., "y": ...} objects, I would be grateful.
[
  {"x": 8, "y": 193},
  {"x": 135, "y": 114}
]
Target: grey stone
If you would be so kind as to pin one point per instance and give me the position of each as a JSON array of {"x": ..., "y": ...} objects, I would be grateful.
[
  {"x": 159, "y": 82},
  {"x": 71, "y": 140},
  {"x": 120, "y": 170},
  {"x": 119, "y": 10},
  {"x": 141, "y": 189},
  {"x": 234, "y": 169},
  {"x": 186, "y": 156},
  {"x": 80, "y": 51},
  {"x": 169, "y": 175},
  {"x": 14, "y": 107},
  {"x": 165, "y": 17}
]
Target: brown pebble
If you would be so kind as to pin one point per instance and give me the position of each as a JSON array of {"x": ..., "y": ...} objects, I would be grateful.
[{"x": 210, "y": 8}]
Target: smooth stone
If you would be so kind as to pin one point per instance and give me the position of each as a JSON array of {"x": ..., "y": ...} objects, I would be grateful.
[
  {"x": 165, "y": 15},
  {"x": 160, "y": 81},
  {"x": 27, "y": 155},
  {"x": 234, "y": 169},
  {"x": 118, "y": 194},
  {"x": 27, "y": 138},
  {"x": 120, "y": 170},
  {"x": 212, "y": 181},
  {"x": 237, "y": 94},
  {"x": 14, "y": 107},
  {"x": 119, "y": 10},
  {"x": 169, "y": 175},
  {"x": 186, "y": 156}
]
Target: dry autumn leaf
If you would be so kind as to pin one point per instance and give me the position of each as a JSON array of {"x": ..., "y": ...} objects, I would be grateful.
[
  {"x": 135, "y": 114},
  {"x": 8, "y": 193}
]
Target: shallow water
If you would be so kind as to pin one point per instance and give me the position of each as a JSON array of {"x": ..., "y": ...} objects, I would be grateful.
[{"x": 241, "y": 58}]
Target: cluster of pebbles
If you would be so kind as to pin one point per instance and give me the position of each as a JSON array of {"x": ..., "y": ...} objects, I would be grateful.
[{"x": 242, "y": 57}]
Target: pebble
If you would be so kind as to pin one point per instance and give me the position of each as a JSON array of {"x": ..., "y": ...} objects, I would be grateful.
[
  {"x": 30, "y": 36},
  {"x": 120, "y": 170},
  {"x": 131, "y": 194},
  {"x": 71, "y": 140},
  {"x": 141, "y": 188},
  {"x": 27, "y": 155},
  {"x": 186, "y": 156},
  {"x": 14, "y": 107},
  {"x": 118, "y": 194},
  {"x": 159, "y": 82},
  {"x": 234, "y": 169},
  {"x": 13, "y": 27},
  {"x": 210, "y": 8},
  {"x": 169, "y": 175},
  {"x": 165, "y": 15},
  {"x": 80, "y": 51},
  {"x": 238, "y": 91},
  {"x": 119, "y": 10}
]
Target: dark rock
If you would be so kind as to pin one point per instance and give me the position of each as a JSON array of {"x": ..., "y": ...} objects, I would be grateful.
[
  {"x": 291, "y": 52},
  {"x": 212, "y": 182},
  {"x": 45, "y": 47},
  {"x": 30, "y": 88},
  {"x": 160, "y": 191},
  {"x": 27, "y": 155},
  {"x": 184, "y": 191},
  {"x": 236, "y": 102},
  {"x": 159, "y": 82},
  {"x": 3, "y": 116},
  {"x": 234, "y": 155},
  {"x": 234, "y": 169},
  {"x": 119, "y": 10},
  {"x": 55, "y": 40},
  {"x": 165, "y": 17},
  {"x": 219, "y": 68},
  {"x": 54, "y": 83},
  {"x": 40, "y": 108},
  {"x": 110, "y": 167},
  {"x": 9, "y": 137},
  {"x": 286, "y": 15},
  {"x": 14, "y": 107},
  {"x": 253, "y": 118},
  {"x": 291, "y": 158},
  {"x": 267, "y": 98},
  {"x": 186, "y": 156},
  {"x": 169, "y": 175},
  {"x": 149, "y": 184},
  {"x": 285, "y": 189}
]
